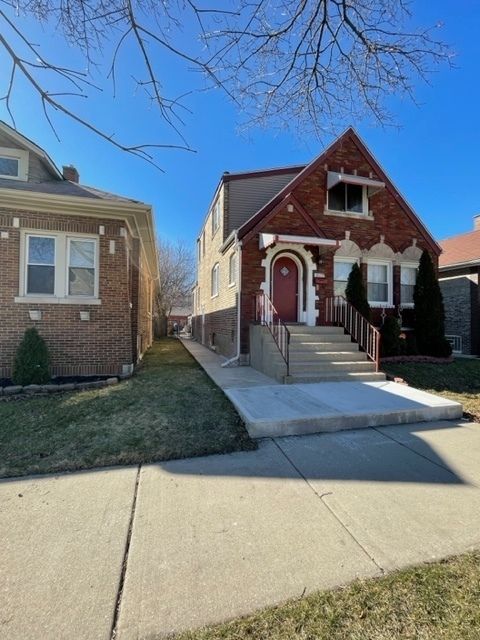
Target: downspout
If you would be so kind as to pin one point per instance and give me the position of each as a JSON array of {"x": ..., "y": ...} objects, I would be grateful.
[{"x": 236, "y": 357}]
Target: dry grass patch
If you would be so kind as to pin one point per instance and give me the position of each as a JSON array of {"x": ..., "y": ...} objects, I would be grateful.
[
  {"x": 458, "y": 380},
  {"x": 169, "y": 409},
  {"x": 431, "y": 602}
]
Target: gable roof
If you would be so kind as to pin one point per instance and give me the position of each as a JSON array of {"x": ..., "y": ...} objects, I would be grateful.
[
  {"x": 460, "y": 250},
  {"x": 62, "y": 188},
  {"x": 31, "y": 146},
  {"x": 352, "y": 135}
]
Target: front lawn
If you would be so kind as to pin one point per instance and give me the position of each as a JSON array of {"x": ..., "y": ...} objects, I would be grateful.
[
  {"x": 431, "y": 602},
  {"x": 169, "y": 409},
  {"x": 458, "y": 380}
]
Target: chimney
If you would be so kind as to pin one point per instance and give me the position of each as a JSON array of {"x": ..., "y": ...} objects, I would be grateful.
[
  {"x": 70, "y": 173},
  {"x": 476, "y": 222}
]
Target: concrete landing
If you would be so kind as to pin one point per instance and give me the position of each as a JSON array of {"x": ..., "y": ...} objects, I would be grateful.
[
  {"x": 270, "y": 409},
  {"x": 281, "y": 410}
]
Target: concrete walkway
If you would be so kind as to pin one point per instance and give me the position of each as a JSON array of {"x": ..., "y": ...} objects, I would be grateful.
[
  {"x": 134, "y": 553},
  {"x": 270, "y": 409}
]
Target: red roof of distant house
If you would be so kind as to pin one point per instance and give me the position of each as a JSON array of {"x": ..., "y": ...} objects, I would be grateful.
[{"x": 460, "y": 249}]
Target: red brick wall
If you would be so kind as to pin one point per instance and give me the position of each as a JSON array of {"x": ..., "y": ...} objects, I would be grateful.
[
  {"x": 389, "y": 220},
  {"x": 98, "y": 346}
]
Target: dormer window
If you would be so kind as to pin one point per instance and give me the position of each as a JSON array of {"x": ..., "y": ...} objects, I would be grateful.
[
  {"x": 13, "y": 164},
  {"x": 350, "y": 198},
  {"x": 349, "y": 194}
]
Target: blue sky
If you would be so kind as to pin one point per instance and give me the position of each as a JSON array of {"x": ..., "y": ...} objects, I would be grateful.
[{"x": 433, "y": 157}]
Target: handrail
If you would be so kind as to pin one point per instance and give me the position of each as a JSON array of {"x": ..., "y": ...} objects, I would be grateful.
[
  {"x": 267, "y": 315},
  {"x": 339, "y": 311}
]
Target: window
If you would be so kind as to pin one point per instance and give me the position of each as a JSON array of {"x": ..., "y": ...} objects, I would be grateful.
[
  {"x": 379, "y": 280},
  {"x": 60, "y": 266},
  {"x": 13, "y": 163},
  {"x": 408, "y": 278},
  {"x": 232, "y": 268},
  {"x": 341, "y": 271},
  {"x": 203, "y": 242},
  {"x": 40, "y": 265},
  {"x": 215, "y": 275},
  {"x": 350, "y": 198},
  {"x": 199, "y": 249},
  {"x": 216, "y": 216},
  {"x": 81, "y": 267}
]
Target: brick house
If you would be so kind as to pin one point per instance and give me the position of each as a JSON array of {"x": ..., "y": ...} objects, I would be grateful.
[
  {"x": 293, "y": 234},
  {"x": 75, "y": 262},
  {"x": 459, "y": 271}
]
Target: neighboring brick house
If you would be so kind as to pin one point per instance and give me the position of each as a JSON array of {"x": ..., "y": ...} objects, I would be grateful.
[
  {"x": 459, "y": 268},
  {"x": 75, "y": 262},
  {"x": 294, "y": 233},
  {"x": 178, "y": 318}
]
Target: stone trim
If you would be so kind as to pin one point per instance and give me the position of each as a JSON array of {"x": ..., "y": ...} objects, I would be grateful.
[{"x": 7, "y": 393}]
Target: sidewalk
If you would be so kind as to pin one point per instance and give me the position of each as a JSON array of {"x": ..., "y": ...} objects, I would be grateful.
[
  {"x": 137, "y": 554},
  {"x": 274, "y": 410}
]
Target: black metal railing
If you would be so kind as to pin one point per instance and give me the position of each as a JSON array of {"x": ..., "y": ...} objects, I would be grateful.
[
  {"x": 339, "y": 311},
  {"x": 267, "y": 315}
]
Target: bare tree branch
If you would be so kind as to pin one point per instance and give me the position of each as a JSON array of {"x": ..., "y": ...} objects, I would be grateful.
[{"x": 309, "y": 64}]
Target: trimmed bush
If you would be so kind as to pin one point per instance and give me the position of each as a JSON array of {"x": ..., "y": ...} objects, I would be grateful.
[
  {"x": 390, "y": 337},
  {"x": 31, "y": 360},
  {"x": 429, "y": 311},
  {"x": 356, "y": 293}
]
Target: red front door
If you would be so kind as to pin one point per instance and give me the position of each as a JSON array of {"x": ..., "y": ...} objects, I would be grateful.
[{"x": 285, "y": 288}]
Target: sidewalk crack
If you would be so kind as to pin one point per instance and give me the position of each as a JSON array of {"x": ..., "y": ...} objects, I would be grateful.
[
  {"x": 321, "y": 497},
  {"x": 121, "y": 583}
]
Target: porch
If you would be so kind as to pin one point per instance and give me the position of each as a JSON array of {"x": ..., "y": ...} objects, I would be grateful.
[{"x": 272, "y": 410}]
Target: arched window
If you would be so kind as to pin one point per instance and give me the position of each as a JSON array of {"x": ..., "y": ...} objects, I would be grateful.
[{"x": 215, "y": 278}]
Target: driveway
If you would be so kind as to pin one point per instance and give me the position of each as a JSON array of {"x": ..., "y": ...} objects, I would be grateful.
[{"x": 136, "y": 553}]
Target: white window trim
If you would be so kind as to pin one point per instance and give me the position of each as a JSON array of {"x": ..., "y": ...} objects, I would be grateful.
[
  {"x": 409, "y": 265},
  {"x": 233, "y": 256},
  {"x": 69, "y": 239},
  {"x": 215, "y": 269},
  {"x": 27, "y": 263},
  {"x": 351, "y": 261},
  {"x": 60, "y": 296},
  {"x": 216, "y": 217},
  {"x": 381, "y": 304},
  {"x": 16, "y": 154},
  {"x": 365, "y": 213}
]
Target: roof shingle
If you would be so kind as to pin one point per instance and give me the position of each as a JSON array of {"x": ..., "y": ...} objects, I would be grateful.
[{"x": 462, "y": 248}]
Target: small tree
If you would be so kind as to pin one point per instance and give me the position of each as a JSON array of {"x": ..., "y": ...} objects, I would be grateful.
[
  {"x": 31, "y": 360},
  {"x": 390, "y": 332},
  {"x": 356, "y": 293},
  {"x": 429, "y": 311},
  {"x": 176, "y": 268}
]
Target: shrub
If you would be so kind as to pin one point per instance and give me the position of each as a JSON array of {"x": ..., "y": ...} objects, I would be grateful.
[
  {"x": 390, "y": 337},
  {"x": 31, "y": 360},
  {"x": 356, "y": 293},
  {"x": 429, "y": 311},
  {"x": 411, "y": 344}
]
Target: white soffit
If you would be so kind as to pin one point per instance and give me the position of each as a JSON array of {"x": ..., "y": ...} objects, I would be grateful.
[
  {"x": 373, "y": 186},
  {"x": 267, "y": 239}
]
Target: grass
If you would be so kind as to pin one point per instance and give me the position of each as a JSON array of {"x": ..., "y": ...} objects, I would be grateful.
[
  {"x": 458, "y": 380},
  {"x": 169, "y": 409},
  {"x": 431, "y": 602}
]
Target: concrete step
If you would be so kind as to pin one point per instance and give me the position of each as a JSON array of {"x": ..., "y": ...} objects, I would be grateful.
[
  {"x": 296, "y": 329},
  {"x": 302, "y": 378},
  {"x": 319, "y": 337},
  {"x": 308, "y": 368},
  {"x": 323, "y": 346},
  {"x": 297, "y": 355}
]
